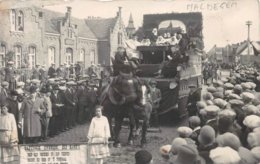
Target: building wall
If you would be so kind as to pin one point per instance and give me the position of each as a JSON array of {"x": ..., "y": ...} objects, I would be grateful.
[
  {"x": 118, "y": 29},
  {"x": 246, "y": 58},
  {"x": 34, "y": 35},
  {"x": 89, "y": 47},
  {"x": 104, "y": 53},
  {"x": 33, "y": 29}
]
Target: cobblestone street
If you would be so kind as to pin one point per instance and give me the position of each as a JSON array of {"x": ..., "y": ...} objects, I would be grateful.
[{"x": 125, "y": 154}]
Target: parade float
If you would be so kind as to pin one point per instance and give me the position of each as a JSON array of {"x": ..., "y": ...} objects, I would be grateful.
[{"x": 161, "y": 35}]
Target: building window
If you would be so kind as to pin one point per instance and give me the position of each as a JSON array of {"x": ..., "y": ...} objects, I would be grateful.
[
  {"x": 81, "y": 55},
  {"x": 68, "y": 56},
  {"x": 2, "y": 55},
  {"x": 70, "y": 32},
  {"x": 32, "y": 57},
  {"x": 20, "y": 21},
  {"x": 13, "y": 19},
  {"x": 40, "y": 14},
  {"x": 92, "y": 56},
  {"x": 120, "y": 38},
  {"x": 51, "y": 55},
  {"x": 18, "y": 56}
]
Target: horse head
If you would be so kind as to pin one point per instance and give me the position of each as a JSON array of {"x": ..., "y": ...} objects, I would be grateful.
[{"x": 123, "y": 89}]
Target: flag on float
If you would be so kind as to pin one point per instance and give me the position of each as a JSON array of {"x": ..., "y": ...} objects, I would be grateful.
[{"x": 131, "y": 51}]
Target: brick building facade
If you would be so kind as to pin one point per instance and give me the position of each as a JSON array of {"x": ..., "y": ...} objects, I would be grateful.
[{"x": 36, "y": 35}]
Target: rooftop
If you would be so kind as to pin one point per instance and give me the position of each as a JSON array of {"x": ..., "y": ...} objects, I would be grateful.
[{"x": 101, "y": 27}]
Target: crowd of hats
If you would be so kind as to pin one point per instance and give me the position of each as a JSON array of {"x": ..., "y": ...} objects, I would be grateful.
[
  {"x": 59, "y": 83},
  {"x": 228, "y": 119}
]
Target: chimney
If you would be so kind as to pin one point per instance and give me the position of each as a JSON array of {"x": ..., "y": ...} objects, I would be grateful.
[
  {"x": 119, "y": 11},
  {"x": 68, "y": 14}
]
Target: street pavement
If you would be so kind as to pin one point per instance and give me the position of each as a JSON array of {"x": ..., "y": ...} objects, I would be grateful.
[{"x": 125, "y": 154}]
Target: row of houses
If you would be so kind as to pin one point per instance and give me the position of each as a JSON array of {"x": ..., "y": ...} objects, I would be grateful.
[
  {"x": 245, "y": 52},
  {"x": 31, "y": 35}
]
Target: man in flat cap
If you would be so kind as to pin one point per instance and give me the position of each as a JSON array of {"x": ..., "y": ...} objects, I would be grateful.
[
  {"x": 31, "y": 111},
  {"x": 36, "y": 72},
  {"x": 78, "y": 70},
  {"x": 60, "y": 71},
  {"x": 70, "y": 104},
  {"x": 46, "y": 116},
  {"x": 194, "y": 97},
  {"x": 156, "y": 97},
  {"x": 4, "y": 91},
  {"x": 10, "y": 73},
  {"x": 43, "y": 73},
  {"x": 143, "y": 157},
  {"x": 82, "y": 95},
  {"x": 92, "y": 99},
  {"x": 56, "y": 121},
  {"x": 52, "y": 71},
  {"x": 13, "y": 106}
]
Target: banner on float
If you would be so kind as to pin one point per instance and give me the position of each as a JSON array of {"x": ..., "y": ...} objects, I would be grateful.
[{"x": 54, "y": 154}]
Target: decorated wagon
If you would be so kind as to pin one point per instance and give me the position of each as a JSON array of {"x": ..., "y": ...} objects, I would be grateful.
[
  {"x": 175, "y": 89},
  {"x": 170, "y": 53}
]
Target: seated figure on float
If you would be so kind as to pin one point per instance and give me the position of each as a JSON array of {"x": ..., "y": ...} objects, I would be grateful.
[
  {"x": 122, "y": 63},
  {"x": 169, "y": 68}
]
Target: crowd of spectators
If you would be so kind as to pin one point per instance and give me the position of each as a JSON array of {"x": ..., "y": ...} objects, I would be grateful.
[{"x": 224, "y": 127}]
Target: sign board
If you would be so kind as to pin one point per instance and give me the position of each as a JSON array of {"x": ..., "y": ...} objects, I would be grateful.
[
  {"x": 54, "y": 154},
  {"x": 69, "y": 42}
]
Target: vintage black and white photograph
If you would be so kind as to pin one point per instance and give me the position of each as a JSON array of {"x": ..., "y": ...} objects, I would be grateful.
[{"x": 129, "y": 81}]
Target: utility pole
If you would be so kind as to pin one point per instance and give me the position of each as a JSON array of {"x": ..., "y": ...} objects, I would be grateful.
[
  {"x": 227, "y": 52},
  {"x": 248, "y": 23}
]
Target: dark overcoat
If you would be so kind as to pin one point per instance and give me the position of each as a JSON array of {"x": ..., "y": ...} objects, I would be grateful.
[{"x": 56, "y": 110}]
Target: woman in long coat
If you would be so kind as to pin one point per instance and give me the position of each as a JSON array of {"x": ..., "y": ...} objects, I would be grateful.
[{"x": 31, "y": 111}]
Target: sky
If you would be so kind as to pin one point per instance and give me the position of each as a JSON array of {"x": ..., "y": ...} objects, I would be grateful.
[{"x": 224, "y": 21}]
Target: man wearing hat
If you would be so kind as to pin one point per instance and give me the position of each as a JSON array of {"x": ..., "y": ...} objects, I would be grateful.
[
  {"x": 60, "y": 71},
  {"x": 13, "y": 106},
  {"x": 10, "y": 73},
  {"x": 43, "y": 73},
  {"x": 143, "y": 157},
  {"x": 194, "y": 97},
  {"x": 207, "y": 142},
  {"x": 194, "y": 124},
  {"x": 4, "y": 91},
  {"x": 92, "y": 70},
  {"x": 45, "y": 93},
  {"x": 36, "y": 72},
  {"x": 78, "y": 70},
  {"x": 20, "y": 87},
  {"x": 92, "y": 98},
  {"x": 56, "y": 121},
  {"x": 66, "y": 71},
  {"x": 70, "y": 104},
  {"x": 31, "y": 111},
  {"x": 156, "y": 97},
  {"x": 82, "y": 95},
  {"x": 52, "y": 71},
  {"x": 72, "y": 69},
  {"x": 120, "y": 61},
  {"x": 188, "y": 154}
]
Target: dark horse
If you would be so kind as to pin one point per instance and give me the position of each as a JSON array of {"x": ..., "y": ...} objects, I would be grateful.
[{"x": 124, "y": 97}]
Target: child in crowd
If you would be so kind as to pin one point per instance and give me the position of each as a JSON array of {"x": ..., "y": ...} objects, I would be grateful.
[{"x": 98, "y": 135}]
